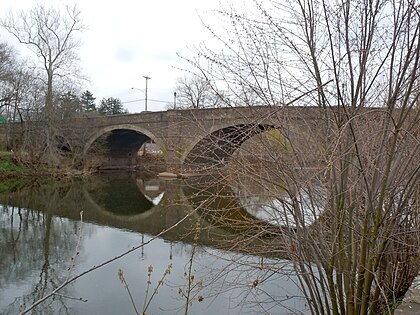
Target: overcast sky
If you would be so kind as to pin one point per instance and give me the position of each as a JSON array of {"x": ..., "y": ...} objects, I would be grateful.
[{"x": 128, "y": 39}]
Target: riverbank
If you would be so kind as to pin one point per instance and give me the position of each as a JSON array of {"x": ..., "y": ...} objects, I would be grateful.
[{"x": 11, "y": 167}]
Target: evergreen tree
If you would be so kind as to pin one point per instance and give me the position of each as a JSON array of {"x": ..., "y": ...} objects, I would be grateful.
[
  {"x": 111, "y": 106},
  {"x": 69, "y": 105},
  {"x": 88, "y": 101}
]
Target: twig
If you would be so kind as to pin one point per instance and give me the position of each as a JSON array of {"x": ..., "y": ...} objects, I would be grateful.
[
  {"x": 76, "y": 252},
  {"x": 160, "y": 282},
  {"x": 72, "y": 297},
  {"x": 74, "y": 278},
  {"x": 122, "y": 278}
]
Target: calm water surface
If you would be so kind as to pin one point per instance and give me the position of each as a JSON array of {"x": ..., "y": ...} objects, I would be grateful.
[{"x": 40, "y": 228}]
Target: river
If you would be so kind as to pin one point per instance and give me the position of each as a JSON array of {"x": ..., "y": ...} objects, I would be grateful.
[{"x": 52, "y": 230}]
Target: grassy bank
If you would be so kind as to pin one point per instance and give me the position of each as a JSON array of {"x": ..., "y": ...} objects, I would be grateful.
[
  {"x": 12, "y": 173},
  {"x": 10, "y": 167}
]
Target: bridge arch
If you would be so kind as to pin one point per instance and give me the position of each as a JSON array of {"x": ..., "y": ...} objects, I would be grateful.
[
  {"x": 100, "y": 132},
  {"x": 62, "y": 143},
  {"x": 230, "y": 135},
  {"x": 121, "y": 143}
]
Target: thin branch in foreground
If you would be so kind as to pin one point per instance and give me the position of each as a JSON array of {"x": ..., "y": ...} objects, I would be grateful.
[{"x": 95, "y": 267}]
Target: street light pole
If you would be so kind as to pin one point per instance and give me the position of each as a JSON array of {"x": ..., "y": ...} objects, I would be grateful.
[
  {"x": 134, "y": 88},
  {"x": 145, "y": 100}
]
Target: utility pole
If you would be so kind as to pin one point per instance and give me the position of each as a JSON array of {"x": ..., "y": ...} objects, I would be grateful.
[
  {"x": 145, "y": 100},
  {"x": 174, "y": 100}
]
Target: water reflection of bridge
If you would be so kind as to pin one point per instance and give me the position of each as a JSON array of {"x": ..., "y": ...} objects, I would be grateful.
[
  {"x": 153, "y": 189},
  {"x": 67, "y": 197},
  {"x": 124, "y": 202},
  {"x": 38, "y": 235}
]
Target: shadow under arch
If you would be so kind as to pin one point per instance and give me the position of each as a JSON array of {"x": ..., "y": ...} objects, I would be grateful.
[
  {"x": 217, "y": 146},
  {"x": 118, "y": 146},
  {"x": 107, "y": 129},
  {"x": 62, "y": 143}
]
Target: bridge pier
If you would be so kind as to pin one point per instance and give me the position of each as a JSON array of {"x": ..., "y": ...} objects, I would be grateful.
[{"x": 173, "y": 164}]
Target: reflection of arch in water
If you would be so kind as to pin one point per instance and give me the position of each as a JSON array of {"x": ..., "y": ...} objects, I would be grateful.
[
  {"x": 152, "y": 189},
  {"x": 232, "y": 208},
  {"x": 99, "y": 209},
  {"x": 279, "y": 210},
  {"x": 274, "y": 201},
  {"x": 120, "y": 197},
  {"x": 217, "y": 203},
  {"x": 173, "y": 214}
]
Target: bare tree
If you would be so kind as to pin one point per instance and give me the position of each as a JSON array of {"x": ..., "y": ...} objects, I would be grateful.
[
  {"x": 196, "y": 92},
  {"x": 7, "y": 62},
  {"x": 50, "y": 34},
  {"x": 343, "y": 190}
]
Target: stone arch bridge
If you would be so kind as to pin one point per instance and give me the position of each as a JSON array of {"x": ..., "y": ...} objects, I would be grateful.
[{"x": 212, "y": 134}]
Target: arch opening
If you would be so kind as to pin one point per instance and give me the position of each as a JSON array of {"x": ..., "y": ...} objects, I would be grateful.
[
  {"x": 123, "y": 149},
  {"x": 218, "y": 148},
  {"x": 62, "y": 144}
]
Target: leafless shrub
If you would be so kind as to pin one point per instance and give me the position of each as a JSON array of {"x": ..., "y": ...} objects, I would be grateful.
[{"x": 341, "y": 195}]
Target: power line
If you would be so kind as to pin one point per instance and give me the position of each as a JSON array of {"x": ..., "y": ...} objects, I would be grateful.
[
  {"x": 133, "y": 101},
  {"x": 159, "y": 101},
  {"x": 142, "y": 99}
]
